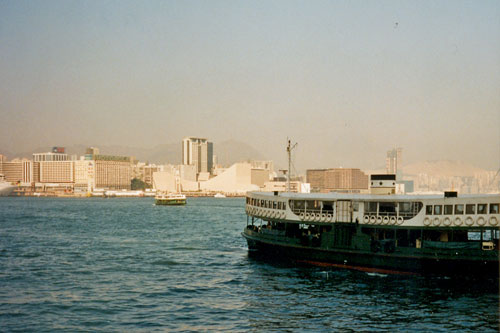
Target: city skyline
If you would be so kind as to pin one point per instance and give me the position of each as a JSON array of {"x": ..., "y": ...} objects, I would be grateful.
[{"x": 346, "y": 80}]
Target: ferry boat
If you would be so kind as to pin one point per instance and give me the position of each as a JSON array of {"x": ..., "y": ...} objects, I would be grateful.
[
  {"x": 170, "y": 199},
  {"x": 6, "y": 188},
  {"x": 382, "y": 232}
]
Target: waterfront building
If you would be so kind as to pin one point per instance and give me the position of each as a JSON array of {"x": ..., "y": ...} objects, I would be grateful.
[
  {"x": 112, "y": 172},
  {"x": 13, "y": 171},
  {"x": 337, "y": 180},
  {"x": 197, "y": 152},
  {"x": 57, "y": 171},
  {"x": 84, "y": 176}
]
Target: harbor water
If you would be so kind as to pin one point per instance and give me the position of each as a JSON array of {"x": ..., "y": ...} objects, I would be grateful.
[{"x": 116, "y": 265}]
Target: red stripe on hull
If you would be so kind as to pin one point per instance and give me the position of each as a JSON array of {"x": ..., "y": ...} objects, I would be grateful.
[{"x": 357, "y": 268}]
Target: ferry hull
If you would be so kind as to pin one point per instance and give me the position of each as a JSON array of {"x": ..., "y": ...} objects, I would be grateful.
[
  {"x": 176, "y": 202},
  {"x": 372, "y": 262}
]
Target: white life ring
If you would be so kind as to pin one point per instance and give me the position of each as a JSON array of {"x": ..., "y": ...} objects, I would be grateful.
[
  {"x": 302, "y": 216},
  {"x": 329, "y": 217},
  {"x": 493, "y": 221},
  {"x": 481, "y": 221},
  {"x": 323, "y": 216},
  {"x": 447, "y": 221},
  {"x": 366, "y": 219},
  {"x": 392, "y": 220},
  {"x": 458, "y": 221},
  {"x": 308, "y": 216},
  {"x": 373, "y": 219},
  {"x": 379, "y": 219},
  {"x": 469, "y": 221},
  {"x": 427, "y": 221},
  {"x": 318, "y": 216},
  {"x": 436, "y": 221},
  {"x": 385, "y": 220},
  {"x": 400, "y": 220}
]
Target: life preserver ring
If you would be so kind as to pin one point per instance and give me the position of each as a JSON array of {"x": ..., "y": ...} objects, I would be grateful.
[
  {"x": 318, "y": 216},
  {"x": 366, "y": 219},
  {"x": 323, "y": 216},
  {"x": 447, "y": 221},
  {"x": 436, "y": 221},
  {"x": 302, "y": 216},
  {"x": 457, "y": 221},
  {"x": 469, "y": 221},
  {"x": 392, "y": 220},
  {"x": 379, "y": 219},
  {"x": 481, "y": 221},
  {"x": 427, "y": 221},
  {"x": 400, "y": 220},
  {"x": 308, "y": 216},
  {"x": 329, "y": 218},
  {"x": 373, "y": 219},
  {"x": 385, "y": 220},
  {"x": 493, "y": 221}
]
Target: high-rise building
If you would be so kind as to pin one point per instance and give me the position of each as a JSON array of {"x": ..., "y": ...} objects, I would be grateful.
[
  {"x": 198, "y": 152},
  {"x": 337, "y": 179},
  {"x": 394, "y": 161}
]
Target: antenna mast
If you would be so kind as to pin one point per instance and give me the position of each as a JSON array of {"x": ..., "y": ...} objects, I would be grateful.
[{"x": 289, "y": 149}]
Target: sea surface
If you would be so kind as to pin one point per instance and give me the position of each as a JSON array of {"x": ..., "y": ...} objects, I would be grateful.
[{"x": 118, "y": 265}]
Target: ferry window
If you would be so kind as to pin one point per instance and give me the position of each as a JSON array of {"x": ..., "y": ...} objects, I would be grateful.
[
  {"x": 474, "y": 235},
  {"x": 459, "y": 209},
  {"x": 371, "y": 207},
  {"x": 387, "y": 207},
  {"x": 494, "y": 208},
  {"x": 279, "y": 205},
  {"x": 312, "y": 204},
  {"x": 275, "y": 204},
  {"x": 262, "y": 203},
  {"x": 428, "y": 210},
  {"x": 405, "y": 207},
  {"x": 328, "y": 206},
  {"x": 481, "y": 208},
  {"x": 438, "y": 209},
  {"x": 470, "y": 209},
  {"x": 355, "y": 206},
  {"x": 448, "y": 209},
  {"x": 284, "y": 205}
]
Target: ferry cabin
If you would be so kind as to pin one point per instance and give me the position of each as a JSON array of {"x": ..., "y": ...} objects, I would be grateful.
[{"x": 409, "y": 232}]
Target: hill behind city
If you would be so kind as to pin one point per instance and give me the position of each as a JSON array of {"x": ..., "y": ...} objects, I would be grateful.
[{"x": 227, "y": 152}]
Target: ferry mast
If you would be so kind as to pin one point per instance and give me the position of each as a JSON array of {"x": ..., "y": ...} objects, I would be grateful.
[{"x": 289, "y": 149}]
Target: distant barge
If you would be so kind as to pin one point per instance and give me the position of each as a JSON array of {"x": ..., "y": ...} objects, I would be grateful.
[{"x": 424, "y": 234}]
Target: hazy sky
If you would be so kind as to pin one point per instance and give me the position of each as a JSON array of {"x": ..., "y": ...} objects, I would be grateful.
[{"x": 348, "y": 80}]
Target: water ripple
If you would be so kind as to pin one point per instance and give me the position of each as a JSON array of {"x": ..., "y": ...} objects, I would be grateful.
[{"x": 125, "y": 265}]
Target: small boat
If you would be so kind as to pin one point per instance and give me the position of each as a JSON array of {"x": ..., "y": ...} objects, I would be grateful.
[
  {"x": 170, "y": 199},
  {"x": 219, "y": 195}
]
